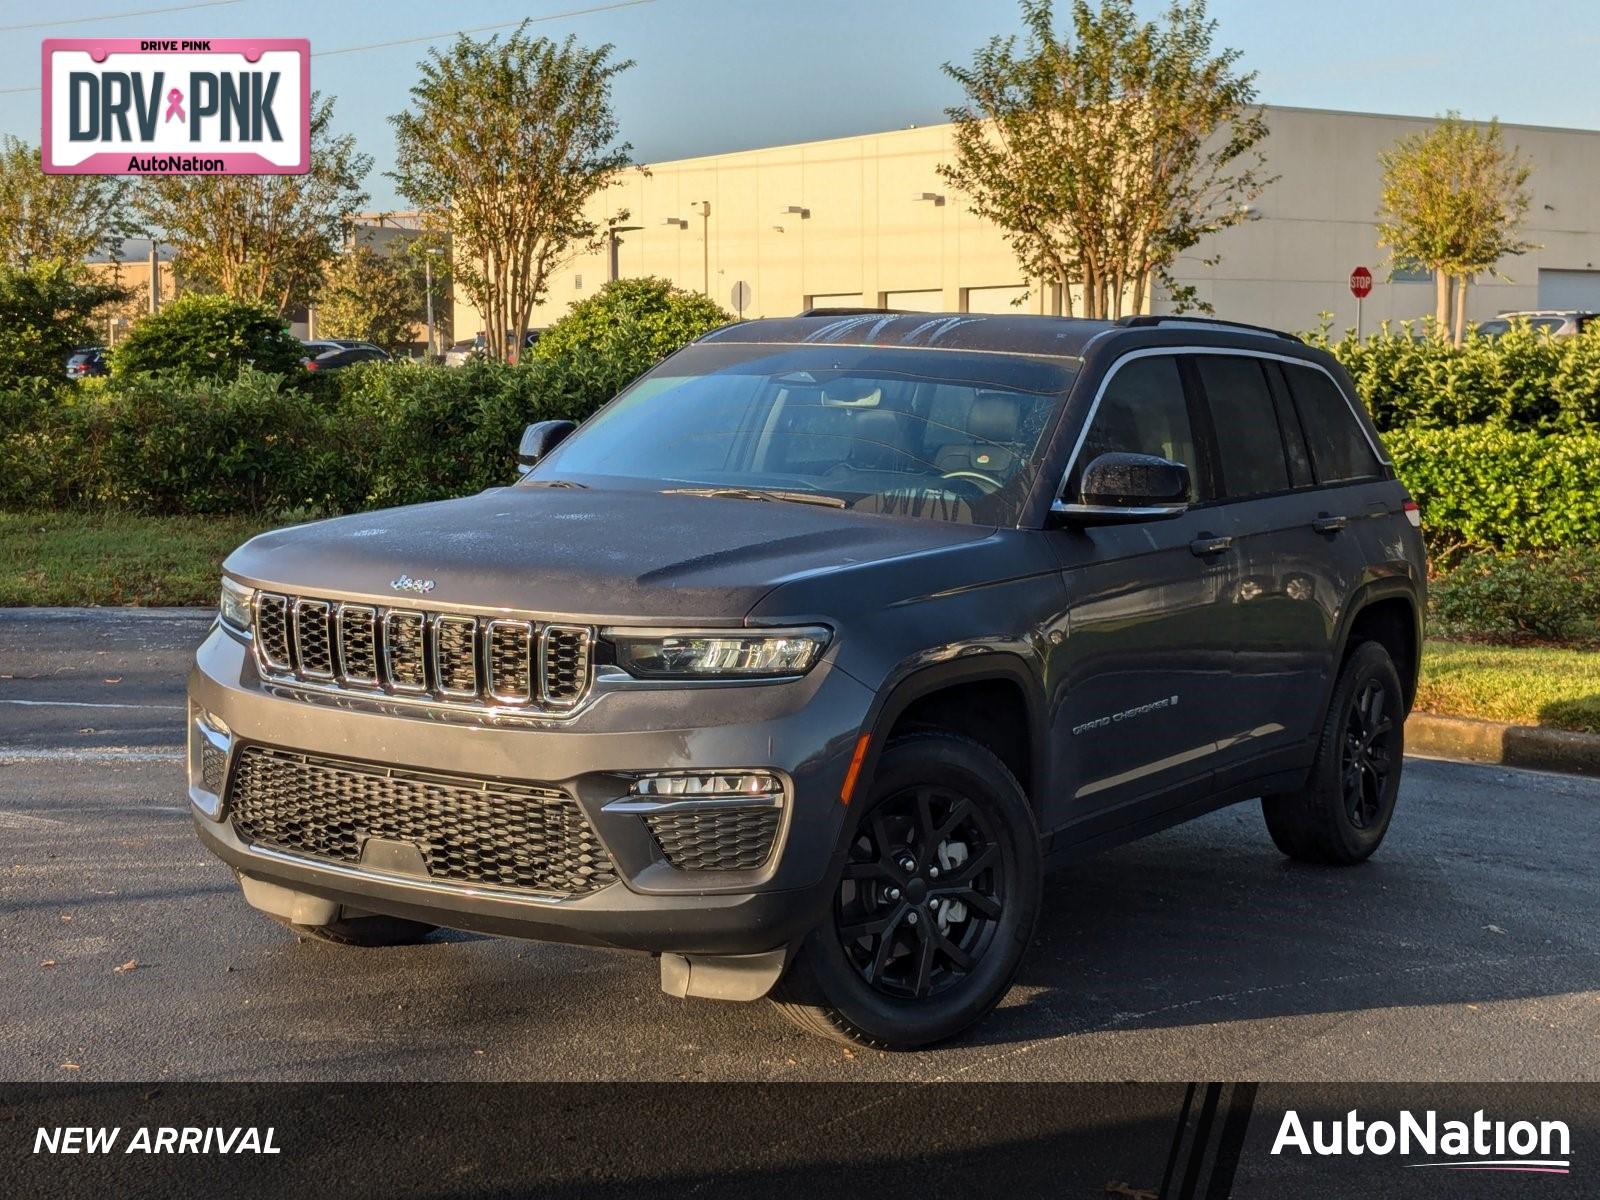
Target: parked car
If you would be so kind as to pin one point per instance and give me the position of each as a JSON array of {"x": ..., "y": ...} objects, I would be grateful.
[
  {"x": 800, "y": 662},
  {"x": 1556, "y": 322},
  {"x": 474, "y": 347},
  {"x": 346, "y": 354},
  {"x": 86, "y": 361}
]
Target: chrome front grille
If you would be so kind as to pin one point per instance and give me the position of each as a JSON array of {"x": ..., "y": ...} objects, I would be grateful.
[{"x": 446, "y": 658}]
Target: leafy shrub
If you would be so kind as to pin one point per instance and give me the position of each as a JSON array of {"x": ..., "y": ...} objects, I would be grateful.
[
  {"x": 1507, "y": 597},
  {"x": 1524, "y": 379},
  {"x": 208, "y": 337},
  {"x": 44, "y": 316},
  {"x": 624, "y": 329},
  {"x": 1486, "y": 486}
]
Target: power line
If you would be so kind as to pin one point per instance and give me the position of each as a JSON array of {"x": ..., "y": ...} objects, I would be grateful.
[
  {"x": 411, "y": 41},
  {"x": 143, "y": 12},
  {"x": 434, "y": 37}
]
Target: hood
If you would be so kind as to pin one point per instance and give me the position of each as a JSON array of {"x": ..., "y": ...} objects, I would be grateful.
[{"x": 600, "y": 556}]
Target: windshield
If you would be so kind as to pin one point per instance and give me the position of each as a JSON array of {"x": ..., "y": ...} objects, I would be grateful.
[{"x": 938, "y": 435}]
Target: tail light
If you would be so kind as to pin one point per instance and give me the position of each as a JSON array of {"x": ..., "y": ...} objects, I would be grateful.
[{"x": 1413, "y": 513}]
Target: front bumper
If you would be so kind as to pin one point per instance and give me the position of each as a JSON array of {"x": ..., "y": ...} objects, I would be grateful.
[{"x": 803, "y": 730}]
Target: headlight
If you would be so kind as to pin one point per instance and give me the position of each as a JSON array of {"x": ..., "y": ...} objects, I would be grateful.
[
  {"x": 763, "y": 654},
  {"x": 237, "y": 605}
]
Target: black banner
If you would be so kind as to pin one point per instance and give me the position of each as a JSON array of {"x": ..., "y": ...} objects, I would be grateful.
[{"x": 951, "y": 1139}]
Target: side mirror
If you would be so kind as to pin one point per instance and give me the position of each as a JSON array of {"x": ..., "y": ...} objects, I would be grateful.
[
  {"x": 539, "y": 439},
  {"x": 1119, "y": 488}
]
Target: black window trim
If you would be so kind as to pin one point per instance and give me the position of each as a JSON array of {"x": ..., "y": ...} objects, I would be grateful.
[{"x": 1235, "y": 351}]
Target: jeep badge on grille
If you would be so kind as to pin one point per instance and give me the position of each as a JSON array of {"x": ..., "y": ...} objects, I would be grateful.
[{"x": 407, "y": 584}]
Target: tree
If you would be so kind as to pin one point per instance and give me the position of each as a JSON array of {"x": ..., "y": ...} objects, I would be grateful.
[
  {"x": 66, "y": 217},
  {"x": 1453, "y": 201},
  {"x": 46, "y": 311},
  {"x": 1105, "y": 153},
  {"x": 627, "y": 327},
  {"x": 506, "y": 143},
  {"x": 263, "y": 239},
  {"x": 373, "y": 295},
  {"x": 210, "y": 336}
]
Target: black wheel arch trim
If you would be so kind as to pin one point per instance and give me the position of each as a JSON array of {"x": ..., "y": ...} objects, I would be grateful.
[{"x": 1370, "y": 593}]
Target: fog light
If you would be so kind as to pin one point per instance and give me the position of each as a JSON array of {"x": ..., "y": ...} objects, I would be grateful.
[
  {"x": 208, "y": 762},
  {"x": 709, "y": 784}
]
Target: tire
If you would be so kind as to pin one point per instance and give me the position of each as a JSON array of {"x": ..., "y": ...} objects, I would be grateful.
[
  {"x": 952, "y": 809},
  {"x": 1341, "y": 815},
  {"x": 368, "y": 931}
]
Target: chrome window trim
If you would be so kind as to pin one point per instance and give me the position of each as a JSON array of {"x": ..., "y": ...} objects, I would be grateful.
[
  {"x": 454, "y": 621},
  {"x": 345, "y": 676},
  {"x": 525, "y": 627},
  {"x": 1178, "y": 351},
  {"x": 301, "y": 604}
]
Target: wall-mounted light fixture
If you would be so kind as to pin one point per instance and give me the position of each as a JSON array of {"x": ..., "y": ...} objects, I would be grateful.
[
  {"x": 933, "y": 198},
  {"x": 1249, "y": 212},
  {"x": 796, "y": 210},
  {"x": 678, "y": 221}
]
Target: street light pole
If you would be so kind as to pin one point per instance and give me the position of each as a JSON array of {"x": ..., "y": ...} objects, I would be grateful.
[
  {"x": 703, "y": 207},
  {"x": 427, "y": 284}
]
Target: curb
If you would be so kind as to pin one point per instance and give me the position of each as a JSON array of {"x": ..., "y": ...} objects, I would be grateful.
[{"x": 1471, "y": 740}]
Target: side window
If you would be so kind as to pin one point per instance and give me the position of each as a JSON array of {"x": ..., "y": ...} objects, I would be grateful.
[
  {"x": 1339, "y": 447},
  {"x": 1144, "y": 411},
  {"x": 1249, "y": 442}
]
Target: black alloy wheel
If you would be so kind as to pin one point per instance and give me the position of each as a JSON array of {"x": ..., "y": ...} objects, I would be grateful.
[
  {"x": 1367, "y": 757},
  {"x": 922, "y": 893}
]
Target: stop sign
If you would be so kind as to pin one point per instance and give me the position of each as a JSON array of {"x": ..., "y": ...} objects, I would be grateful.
[{"x": 1360, "y": 283}]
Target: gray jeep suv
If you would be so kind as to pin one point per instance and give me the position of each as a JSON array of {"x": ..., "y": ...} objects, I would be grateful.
[{"x": 798, "y": 663}]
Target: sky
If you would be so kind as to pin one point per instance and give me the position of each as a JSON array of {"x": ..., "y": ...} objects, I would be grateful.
[{"x": 720, "y": 75}]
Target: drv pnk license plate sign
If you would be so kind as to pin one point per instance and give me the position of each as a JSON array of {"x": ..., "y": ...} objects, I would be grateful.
[{"x": 212, "y": 106}]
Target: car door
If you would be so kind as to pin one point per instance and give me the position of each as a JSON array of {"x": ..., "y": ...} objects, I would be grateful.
[
  {"x": 1296, "y": 566},
  {"x": 1138, "y": 679}
]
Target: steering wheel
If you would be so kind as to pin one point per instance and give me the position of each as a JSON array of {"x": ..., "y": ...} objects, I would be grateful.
[{"x": 988, "y": 484}]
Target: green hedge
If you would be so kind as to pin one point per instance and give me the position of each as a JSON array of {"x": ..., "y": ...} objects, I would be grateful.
[
  {"x": 364, "y": 437},
  {"x": 1486, "y": 486},
  {"x": 1523, "y": 380}
]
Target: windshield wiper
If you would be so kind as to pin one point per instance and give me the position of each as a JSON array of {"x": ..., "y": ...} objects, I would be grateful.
[{"x": 743, "y": 493}]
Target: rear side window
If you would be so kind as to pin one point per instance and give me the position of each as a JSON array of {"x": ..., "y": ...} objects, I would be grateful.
[
  {"x": 1249, "y": 442},
  {"x": 1144, "y": 411},
  {"x": 1339, "y": 447}
]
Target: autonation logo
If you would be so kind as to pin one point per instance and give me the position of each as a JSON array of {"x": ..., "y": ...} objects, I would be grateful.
[{"x": 1476, "y": 1145}]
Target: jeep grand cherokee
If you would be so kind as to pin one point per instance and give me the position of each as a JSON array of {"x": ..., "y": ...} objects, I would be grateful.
[{"x": 799, "y": 662}]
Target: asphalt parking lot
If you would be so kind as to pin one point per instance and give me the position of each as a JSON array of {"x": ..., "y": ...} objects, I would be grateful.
[{"x": 1467, "y": 950}]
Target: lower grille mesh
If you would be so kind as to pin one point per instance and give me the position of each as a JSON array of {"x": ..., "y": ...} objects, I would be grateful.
[
  {"x": 735, "y": 839},
  {"x": 468, "y": 830}
]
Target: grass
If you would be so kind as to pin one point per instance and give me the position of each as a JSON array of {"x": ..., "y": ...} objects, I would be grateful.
[
  {"x": 115, "y": 559},
  {"x": 1527, "y": 685}
]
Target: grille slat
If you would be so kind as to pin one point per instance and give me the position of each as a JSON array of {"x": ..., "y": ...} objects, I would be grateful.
[
  {"x": 732, "y": 839},
  {"x": 358, "y": 643},
  {"x": 468, "y": 830},
  {"x": 452, "y": 659}
]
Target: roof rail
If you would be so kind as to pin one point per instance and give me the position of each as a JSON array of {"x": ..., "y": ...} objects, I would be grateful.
[
  {"x": 1148, "y": 320},
  {"x": 855, "y": 312}
]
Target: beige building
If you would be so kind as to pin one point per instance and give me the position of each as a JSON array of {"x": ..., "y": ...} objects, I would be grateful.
[{"x": 867, "y": 221}]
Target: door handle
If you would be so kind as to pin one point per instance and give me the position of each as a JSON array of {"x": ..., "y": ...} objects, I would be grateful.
[
  {"x": 1325, "y": 523},
  {"x": 1206, "y": 545}
]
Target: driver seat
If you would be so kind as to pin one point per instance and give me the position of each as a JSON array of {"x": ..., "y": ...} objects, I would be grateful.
[{"x": 992, "y": 427}]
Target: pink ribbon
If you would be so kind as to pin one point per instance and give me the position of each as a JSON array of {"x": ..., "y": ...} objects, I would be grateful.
[{"x": 175, "y": 105}]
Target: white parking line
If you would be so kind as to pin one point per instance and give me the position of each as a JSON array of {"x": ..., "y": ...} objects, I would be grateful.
[
  {"x": 90, "y": 704},
  {"x": 90, "y": 754}
]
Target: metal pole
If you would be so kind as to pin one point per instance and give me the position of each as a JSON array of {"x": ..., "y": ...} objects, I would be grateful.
[
  {"x": 613, "y": 270},
  {"x": 705, "y": 248},
  {"x": 1358, "y": 318},
  {"x": 155, "y": 279},
  {"x": 427, "y": 274}
]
